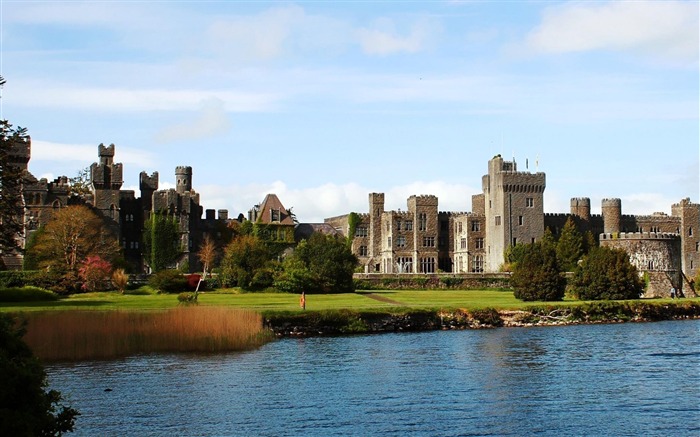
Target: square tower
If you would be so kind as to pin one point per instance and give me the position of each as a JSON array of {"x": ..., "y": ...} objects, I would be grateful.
[{"x": 514, "y": 209}]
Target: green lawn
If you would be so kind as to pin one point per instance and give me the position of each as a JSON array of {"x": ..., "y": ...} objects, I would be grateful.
[{"x": 362, "y": 300}]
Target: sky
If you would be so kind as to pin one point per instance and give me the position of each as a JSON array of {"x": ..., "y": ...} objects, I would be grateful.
[{"x": 323, "y": 102}]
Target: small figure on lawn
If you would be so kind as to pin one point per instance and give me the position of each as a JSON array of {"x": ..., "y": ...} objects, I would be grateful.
[{"x": 302, "y": 300}]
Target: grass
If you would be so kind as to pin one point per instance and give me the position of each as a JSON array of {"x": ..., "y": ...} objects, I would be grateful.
[
  {"x": 263, "y": 302},
  {"x": 79, "y": 335}
]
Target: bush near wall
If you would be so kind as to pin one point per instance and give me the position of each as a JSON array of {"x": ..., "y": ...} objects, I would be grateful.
[{"x": 466, "y": 281}]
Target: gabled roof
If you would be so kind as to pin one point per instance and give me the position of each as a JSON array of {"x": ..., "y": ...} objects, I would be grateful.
[{"x": 272, "y": 206}]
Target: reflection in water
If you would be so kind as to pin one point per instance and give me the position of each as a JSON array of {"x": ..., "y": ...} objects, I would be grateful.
[{"x": 628, "y": 379}]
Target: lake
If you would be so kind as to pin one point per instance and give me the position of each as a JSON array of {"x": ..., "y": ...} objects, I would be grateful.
[{"x": 618, "y": 379}]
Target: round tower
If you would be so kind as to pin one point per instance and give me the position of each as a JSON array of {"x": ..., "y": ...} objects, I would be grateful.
[
  {"x": 183, "y": 178},
  {"x": 581, "y": 207},
  {"x": 612, "y": 215}
]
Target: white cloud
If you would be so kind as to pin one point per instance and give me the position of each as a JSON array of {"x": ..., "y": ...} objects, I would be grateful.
[
  {"x": 65, "y": 96},
  {"x": 86, "y": 154},
  {"x": 383, "y": 39},
  {"x": 666, "y": 30},
  {"x": 211, "y": 120},
  {"x": 314, "y": 204}
]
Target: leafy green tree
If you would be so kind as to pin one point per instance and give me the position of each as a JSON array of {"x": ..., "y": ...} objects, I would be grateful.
[
  {"x": 538, "y": 275},
  {"x": 11, "y": 204},
  {"x": 247, "y": 263},
  {"x": 607, "y": 274},
  {"x": 27, "y": 408},
  {"x": 513, "y": 255},
  {"x": 80, "y": 184},
  {"x": 161, "y": 240},
  {"x": 589, "y": 242},
  {"x": 548, "y": 239},
  {"x": 328, "y": 261},
  {"x": 569, "y": 246}
]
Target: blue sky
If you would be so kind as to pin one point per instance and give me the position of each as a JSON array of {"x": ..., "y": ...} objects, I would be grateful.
[{"x": 325, "y": 102}]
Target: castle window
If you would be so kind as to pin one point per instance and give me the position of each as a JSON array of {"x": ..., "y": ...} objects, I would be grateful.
[
  {"x": 427, "y": 265},
  {"x": 388, "y": 226},
  {"x": 400, "y": 241},
  {"x": 478, "y": 264},
  {"x": 404, "y": 264},
  {"x": 498, "y": 220},
  {"x": 363, "y": 250},
  {"x": 274, "y": 215},
  {"x": 428, "y": 241},
  {"x": 479, "y": 243},
  {"x": 463, "y": 243},
  {"x": 697, "y": 246},
  {"x": 408, "y": 225},
  {"x": 422, "y": 221},
  {"x": 476, "y": 226},
  {"x": 520, "y": 220},
  {"x": 361, "y": 231},
  {"x": 690, "y": 232},
  {"x": 529, "y": 202},
  {"x": 388, "y": 241},
  {"x": 515, "y": 241},
  {"x": 398, "y": 225},
  {"x": 459, "y": 227}
]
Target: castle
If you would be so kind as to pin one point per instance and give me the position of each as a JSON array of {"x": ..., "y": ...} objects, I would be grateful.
[
  {"x": 421, "y": 240},
  {"x": 666, "y": 249}
]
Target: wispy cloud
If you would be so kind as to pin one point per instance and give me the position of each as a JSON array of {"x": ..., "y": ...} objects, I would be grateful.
[
  {"x": 84, "y": 154},
  {"x": 383, "y": 39},
  {"x": 666, "y": 30},
  {"x": 212, "y": 120}
]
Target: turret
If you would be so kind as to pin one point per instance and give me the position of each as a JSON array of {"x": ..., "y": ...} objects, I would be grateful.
[
  {"x": 581, "y": 208},
  {"x": 612, "y": 215},
  {"x": 183, "y": 178}
]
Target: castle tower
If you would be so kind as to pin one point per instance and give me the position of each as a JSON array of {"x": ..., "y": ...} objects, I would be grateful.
[
  {"x": 424, "y": 210},
  {"x": 183, "y": 178},
  {"x": 689, "y": 230},
  {"x": 376, "y": 209},
  {"x": 581, "y": 208},
  {"x": 148, "y": 185},
  {"x": 612, "y": 215},
  {"x": 514, "y": 206},
  {"x": 106, "y": 180}
]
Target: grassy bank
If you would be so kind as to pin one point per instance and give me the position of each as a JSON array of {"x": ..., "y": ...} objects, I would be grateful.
[
  {"x": 79, "y": 335},
  {"x": 338, "y": 322},
  {"x": 103, "y": 325}
]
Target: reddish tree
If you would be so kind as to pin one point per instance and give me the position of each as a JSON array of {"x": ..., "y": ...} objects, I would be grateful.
[{"x": 95, "y": 273}]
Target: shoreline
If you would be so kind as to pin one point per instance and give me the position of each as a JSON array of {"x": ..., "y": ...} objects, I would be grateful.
[{"x": 348, "y": 322}]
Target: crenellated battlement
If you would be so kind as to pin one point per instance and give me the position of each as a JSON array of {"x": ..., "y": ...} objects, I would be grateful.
[{"x": 639, "y": 236}]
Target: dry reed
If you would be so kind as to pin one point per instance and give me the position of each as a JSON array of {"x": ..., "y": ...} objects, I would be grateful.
[{"x": 82, "y": 335}]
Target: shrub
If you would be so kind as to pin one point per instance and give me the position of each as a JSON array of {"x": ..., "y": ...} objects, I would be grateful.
[
  {"x": 607, "y": 274},
  {"x": 487, "y": 316},
  {"x": 538, "y": 276},
  {"x": 95, "y": 273},
  {"x": 187, "y": 298},
  {"x": 451, "y": 281},
  {"x": 168, "y": 281},
  {"x": 120, "y": 280},
  {"x": 26, "y": 294}
]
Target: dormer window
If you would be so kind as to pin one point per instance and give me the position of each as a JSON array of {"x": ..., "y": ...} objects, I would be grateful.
[{"x": 274, "y": 215}]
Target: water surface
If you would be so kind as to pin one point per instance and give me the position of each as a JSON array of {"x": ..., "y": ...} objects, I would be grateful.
[{"x": 622, "y": 379}]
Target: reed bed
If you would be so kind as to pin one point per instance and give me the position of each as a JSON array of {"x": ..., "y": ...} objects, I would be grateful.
[{"x": 83, "y": 335}]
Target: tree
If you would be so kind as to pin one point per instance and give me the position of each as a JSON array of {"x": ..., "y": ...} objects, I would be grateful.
[
  {"x": 80, "y": 184},
  {"x": 11, "y": 175},
  {"x": 95, "y": 273},
  {"x": 27, "y": 408},
  {"x": 513, "y": 255},
  {"x": 247, "y": 263},
  {"x": 73, "y": 234},
  {"x": 569, "y": 246},
  {"x": 607, "y": 274},
  {"x": 328, "y": 263},
  {"x": 161, "y": 241},
  {"x": 538, "y": 275},
  {"x": 206, "y": 254}
]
